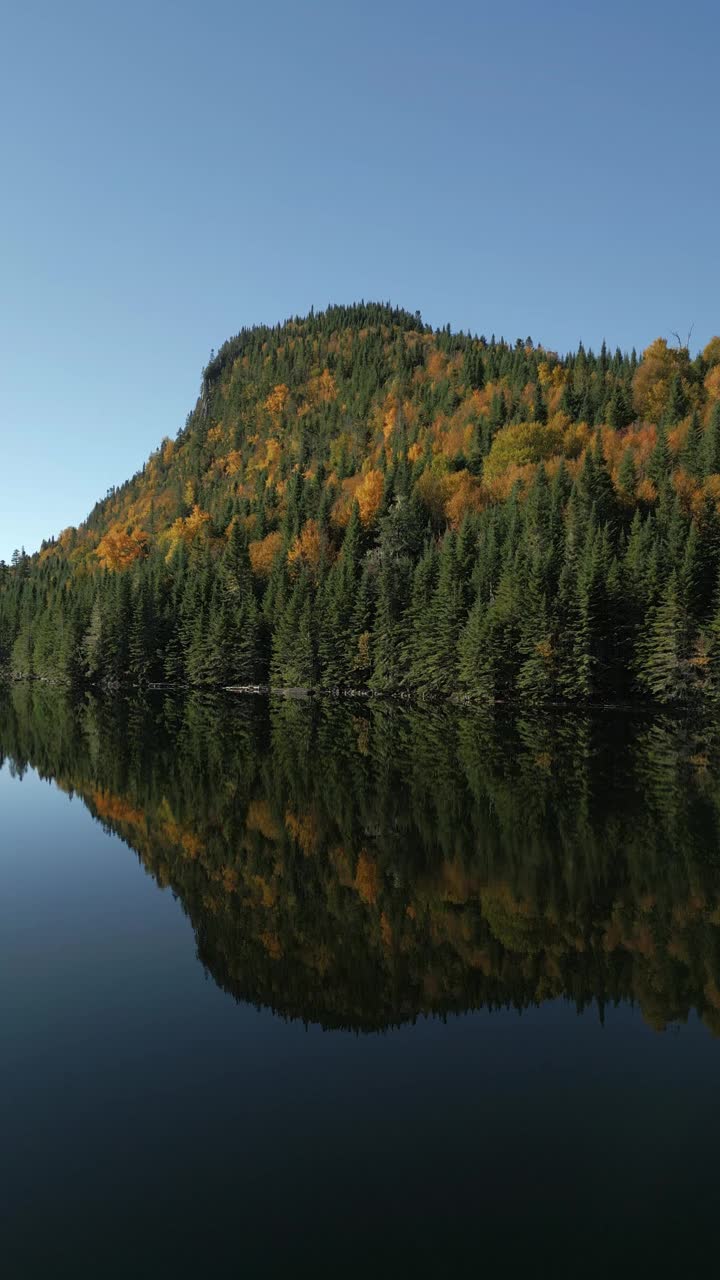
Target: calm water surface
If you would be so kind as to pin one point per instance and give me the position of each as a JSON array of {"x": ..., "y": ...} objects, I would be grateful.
[{"x": 291, "y": 989}]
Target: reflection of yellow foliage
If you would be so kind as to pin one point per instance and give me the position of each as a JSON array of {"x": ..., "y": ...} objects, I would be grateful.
[
  {"x": 268, "y": 893},
  {"x": 272, "y": 945},
  {"x": 190, "y": 844},
  {"x": 340, "y": 860},
  {"x": 367, "y": 880},
  {"x": 454, "y": 884},
  {"x": 304, "y": 830},
  {"x": 259, "y": 818},
  {"x": 180, "y": 836},
  {"x": 229, "y": 877},
  {"x": 115, "y": 809}
]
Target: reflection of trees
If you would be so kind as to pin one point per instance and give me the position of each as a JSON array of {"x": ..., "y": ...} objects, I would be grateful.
[{"x": 359, "y": 864}]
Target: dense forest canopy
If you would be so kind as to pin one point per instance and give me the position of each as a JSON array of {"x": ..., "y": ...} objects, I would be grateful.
[
  {"x": 358, "y": 501},
  {"x": 362, "y": 864}
]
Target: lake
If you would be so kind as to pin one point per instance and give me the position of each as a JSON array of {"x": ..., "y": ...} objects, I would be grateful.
[{"x": 350, "y": 989}]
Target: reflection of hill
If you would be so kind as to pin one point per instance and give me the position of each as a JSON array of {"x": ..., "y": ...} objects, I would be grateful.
[{"x": 359, "y": 866}]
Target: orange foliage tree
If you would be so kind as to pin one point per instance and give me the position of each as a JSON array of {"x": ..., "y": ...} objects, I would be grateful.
[
  {"x": 189, "y": 529},
  {"x": 652, "y": 380},
  {"x": 121, "y": 547},
  {"x": 264, "y": 552},
  {"x": 369, "y": 495},
  {"x": 277, "y": 400},
  {"x": 308, "y": 548}
]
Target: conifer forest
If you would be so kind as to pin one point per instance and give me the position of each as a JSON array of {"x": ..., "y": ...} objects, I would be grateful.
[{"x": 361, "y": 503}]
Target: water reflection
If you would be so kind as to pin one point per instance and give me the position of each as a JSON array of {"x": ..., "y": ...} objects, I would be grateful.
[{"x": 361, "y": 864}]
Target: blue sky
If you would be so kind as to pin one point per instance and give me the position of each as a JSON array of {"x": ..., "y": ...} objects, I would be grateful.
[{"x": 172, "y": 171}]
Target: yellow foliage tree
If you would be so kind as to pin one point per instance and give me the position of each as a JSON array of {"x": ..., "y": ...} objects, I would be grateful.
[
  {"x": 121, "y": 547},
  {"x": 277, "y": 400},
  {"x": 369, "y": 495},
  {"x": 651, "y": 384},
  {"x": 711, "y": 352},
  {"x": 308, "y": 547},
  {"x": 524, "y": 442},
  {"x": 303, "y": 828},
  {"x": 322, "y": 389},
  {"x": 264, "y": 553},
  {"x": 466, "y": 496},
  {"x": 232, "y": 462},
  {"x": 189, "y": 529},
  {"x": 367, "y": 880},
  {"x": 712, "y": 383}
]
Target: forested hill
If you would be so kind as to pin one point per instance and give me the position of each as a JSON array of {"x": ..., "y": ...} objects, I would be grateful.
[{"x": 359, "y": 501}]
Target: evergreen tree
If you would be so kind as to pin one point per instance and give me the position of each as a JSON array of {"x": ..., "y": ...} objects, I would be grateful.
[{"x": 663, "y": 653}]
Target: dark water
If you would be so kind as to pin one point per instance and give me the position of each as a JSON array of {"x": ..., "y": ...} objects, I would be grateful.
[{"x": 293, "y": 989}]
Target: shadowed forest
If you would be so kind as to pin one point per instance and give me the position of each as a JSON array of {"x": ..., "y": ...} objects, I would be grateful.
[{"x": 361, "y": 866}]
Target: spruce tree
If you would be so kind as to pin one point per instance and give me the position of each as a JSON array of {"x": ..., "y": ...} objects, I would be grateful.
[{"x": 662, "y": 663}]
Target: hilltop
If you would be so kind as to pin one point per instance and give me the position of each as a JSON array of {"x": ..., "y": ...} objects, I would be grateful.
[{"x": 360, "y": 501}]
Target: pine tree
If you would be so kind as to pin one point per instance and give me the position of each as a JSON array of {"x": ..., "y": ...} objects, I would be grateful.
[
  {"x": 627, "y": 477},
  {"x": 293, "y": 661},
  {"x": 663, "y": 668},
  {"x": 692, "y": 454},
  {"x": 434, "y": 670},
  {"x": 91, "y": 646},
  {"x": 711, "y": 444},
  {"x": 660, "y": 460},
  {"x": 677, "y": 403},
  {"x": 487, "y": 665}
]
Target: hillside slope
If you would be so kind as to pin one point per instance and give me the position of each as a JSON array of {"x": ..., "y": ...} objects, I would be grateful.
[{"x": 359, "y": 501}]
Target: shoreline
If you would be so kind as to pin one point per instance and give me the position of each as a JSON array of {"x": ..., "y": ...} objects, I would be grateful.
[{"x": 308, "y": 693}]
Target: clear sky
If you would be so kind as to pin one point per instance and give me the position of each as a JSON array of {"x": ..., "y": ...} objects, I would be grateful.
[{"x": 172, "y": 170}]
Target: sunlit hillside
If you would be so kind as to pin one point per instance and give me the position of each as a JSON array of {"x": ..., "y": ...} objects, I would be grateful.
[{"x": 359, "y": 501}]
